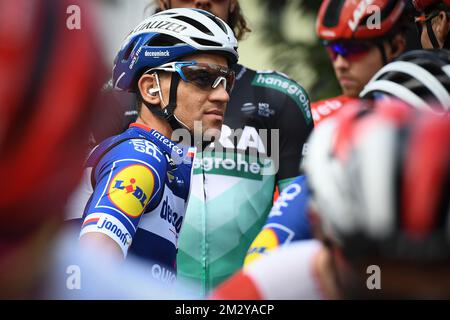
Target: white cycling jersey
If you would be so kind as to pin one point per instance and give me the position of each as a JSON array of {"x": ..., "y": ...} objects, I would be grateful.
[{"x": 289, "y": 273}]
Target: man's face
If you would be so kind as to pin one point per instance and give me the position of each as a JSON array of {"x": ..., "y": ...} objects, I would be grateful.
[
  {"x": 353, "y": 72},
  {"x": 206, "y": 105},
  {"x": 220, "y": 8}
]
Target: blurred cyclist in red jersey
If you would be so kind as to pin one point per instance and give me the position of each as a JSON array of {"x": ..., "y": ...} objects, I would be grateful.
[
  {"x": 51, "y": 75},
  {"x": 48, "y": 107}
]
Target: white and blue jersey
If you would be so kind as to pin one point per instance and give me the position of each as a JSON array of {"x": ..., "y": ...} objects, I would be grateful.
[
  {"x": 287, "y": 222},
  {"x": 138, "y": 188}
]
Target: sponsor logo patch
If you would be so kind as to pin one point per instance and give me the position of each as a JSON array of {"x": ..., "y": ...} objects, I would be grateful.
[
  {"x": 122, "y": 234},
  {"x": 264, "y": 110},
  {"x": 288, "y": 87},
  {"x": 131, "y": 189},
  {"x": 248, "y": 107},
  {"x": 267, "y": 240},
  {"x": 168, "y": 214}
]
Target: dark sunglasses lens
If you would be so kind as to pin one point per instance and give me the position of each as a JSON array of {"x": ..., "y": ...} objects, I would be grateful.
[
  {"x": 350, "y": 51},
  {"x": 204, "y": 76},
  {"x": 200, "y": 76}
]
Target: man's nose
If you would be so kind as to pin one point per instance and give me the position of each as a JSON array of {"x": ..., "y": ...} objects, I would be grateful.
[
  {"x": 202, "y": 4},
  {"x": 219, "y": 94},
  {"x": 341, "y": 62}
]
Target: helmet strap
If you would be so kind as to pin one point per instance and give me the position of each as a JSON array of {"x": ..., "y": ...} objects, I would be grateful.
[
  {"x": 168, "y": 111},
  {"x": 431, "y": 35}
]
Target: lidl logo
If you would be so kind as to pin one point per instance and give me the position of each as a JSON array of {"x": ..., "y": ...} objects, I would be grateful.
[
  {"x": 131, "y": 189},
  {"x": 266, "y": 240}
]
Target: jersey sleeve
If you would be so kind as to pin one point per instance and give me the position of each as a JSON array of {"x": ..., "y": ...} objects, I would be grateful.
[
  {"x": 129, "y": 180},
  {"x": 289, "y": 102},
  {"x": 293, "y": 120},
  {"x": 287, "y": 221},
  {"x": 295, "y": 124}
]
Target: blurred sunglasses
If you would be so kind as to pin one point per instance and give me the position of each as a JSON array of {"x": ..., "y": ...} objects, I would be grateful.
[
  {"x": 203, "y": 75},
  {"x": 350, "y": 50}
]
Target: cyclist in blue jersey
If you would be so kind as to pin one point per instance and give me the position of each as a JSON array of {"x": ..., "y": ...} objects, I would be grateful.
[
  {"x": 231, "y": 195},
  {"x": 138, "y": 182}
]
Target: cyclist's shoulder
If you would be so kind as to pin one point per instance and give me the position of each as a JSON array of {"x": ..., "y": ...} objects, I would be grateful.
[
  {"x": 322, "y": 109},
  {"x": 288, "y": 212},
  {"x": 332, "y": 102},
  {"x": 295, "y": 262},
  {"x": 275, "y": 89},
  {"x": 292, "y": 190},
  {"x": 295, "y": 254},
  {"x": 268, "y": 80},
  {"x": 131, "y": 146}
]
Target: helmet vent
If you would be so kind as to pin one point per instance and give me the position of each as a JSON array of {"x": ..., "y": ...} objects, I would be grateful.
[
  {"x": 194, "y": 23},
  {"x": 219, "y": 23},
  {"x": 209, "y": 43},
  {"x": 333, "y": 13},
  {"x": 163, "y": 40},
  {"x": 129, "y": 50}
]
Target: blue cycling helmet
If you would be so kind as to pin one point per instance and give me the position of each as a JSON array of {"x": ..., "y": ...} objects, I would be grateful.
[{"x": 167, "y": 36}]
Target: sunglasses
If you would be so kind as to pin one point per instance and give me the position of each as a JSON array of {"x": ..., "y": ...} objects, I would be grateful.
[
  {"x": 203, "y": 75},
  {"x": 350, "y": 50}
]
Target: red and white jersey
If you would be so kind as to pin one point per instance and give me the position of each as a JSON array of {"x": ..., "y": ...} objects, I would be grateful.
[
  {"x": 324, "y": 108},
  {"x": 289, "y": 273}
]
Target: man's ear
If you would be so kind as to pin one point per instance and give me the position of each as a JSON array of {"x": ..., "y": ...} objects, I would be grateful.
[
  {"x": 397, "y": 46},
  {"x": 149, "y": 89},
  {"x": 442, "y": 26}
]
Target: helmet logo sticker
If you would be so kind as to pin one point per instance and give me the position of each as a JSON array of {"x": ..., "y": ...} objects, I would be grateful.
[
  {"x": 157, "y": 54},
  {"x": 165, "y": 25},
  {"x": 359, "y": 13}
]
